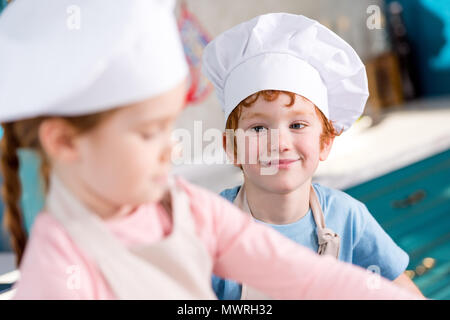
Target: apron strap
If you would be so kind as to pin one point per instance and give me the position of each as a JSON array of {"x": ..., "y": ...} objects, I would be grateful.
[{"x": 329, "y": 241}]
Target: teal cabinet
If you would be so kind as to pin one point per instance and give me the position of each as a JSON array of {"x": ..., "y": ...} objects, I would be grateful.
[
  {"x": 3, "y": 4},
  {"x": 413, "y": 206}
]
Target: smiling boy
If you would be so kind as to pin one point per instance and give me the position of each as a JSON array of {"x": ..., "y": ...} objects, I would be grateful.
[{"x": 291, "y": 85}]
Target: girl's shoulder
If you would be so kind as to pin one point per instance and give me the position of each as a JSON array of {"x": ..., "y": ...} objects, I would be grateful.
[
  {"x": 49, "y": 243},
  {"x": 214, "y": 216},
  {"x": 204, "y": 199},
  {"x": 198, "y": 194},
  {"x": 47, "y": 230},
  {"x": 51, "y": 264}
]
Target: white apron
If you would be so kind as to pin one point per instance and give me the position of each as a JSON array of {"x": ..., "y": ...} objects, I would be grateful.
[
  {"x": 328, "y": 240},
  {"x": 176, "y": 267}
]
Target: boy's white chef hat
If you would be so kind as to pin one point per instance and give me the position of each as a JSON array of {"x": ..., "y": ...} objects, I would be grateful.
[
  {"x": 281, "y": 51},
  {"x": 74, "y": 57}
]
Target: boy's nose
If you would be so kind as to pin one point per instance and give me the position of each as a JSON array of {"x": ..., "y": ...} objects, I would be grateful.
[{"x": 280, "y": 140}]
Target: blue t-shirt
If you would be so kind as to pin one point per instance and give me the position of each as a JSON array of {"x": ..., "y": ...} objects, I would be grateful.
[{"x": 362, "y": 240}]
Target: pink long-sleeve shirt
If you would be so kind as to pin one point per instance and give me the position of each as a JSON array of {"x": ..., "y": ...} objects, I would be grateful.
[{"x": 53, "y": 267}]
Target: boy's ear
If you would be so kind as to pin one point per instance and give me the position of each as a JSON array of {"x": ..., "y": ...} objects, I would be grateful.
[
  {"x": 326, "y": 149},
  {"x": 57, "y": 138}
]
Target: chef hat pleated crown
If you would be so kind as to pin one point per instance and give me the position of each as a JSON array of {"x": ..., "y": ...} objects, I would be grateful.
[
  {"x": 281, "y": 51},
  {"x": 75, "y": 57}
]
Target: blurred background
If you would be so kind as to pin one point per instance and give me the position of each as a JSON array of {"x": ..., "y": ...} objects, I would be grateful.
[{"x": 395, "y": 159}]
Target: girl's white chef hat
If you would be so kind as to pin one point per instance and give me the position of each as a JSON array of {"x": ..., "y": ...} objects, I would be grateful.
[
  {"x": 281, "y": 51},
  {"x": 73, "y": 57}
]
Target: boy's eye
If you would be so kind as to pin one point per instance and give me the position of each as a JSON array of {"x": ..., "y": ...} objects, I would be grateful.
[
  {"x": 297, "y": 125},
  {"x": 258, "y": 129}
]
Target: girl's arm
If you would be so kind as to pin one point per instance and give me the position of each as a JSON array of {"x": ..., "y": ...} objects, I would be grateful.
[
  {"x": 258, "y": 256},
  {"x": 404, "y": 281},
  {"x": 53, "y": 268},
  {"x": 251, "y": 253}
]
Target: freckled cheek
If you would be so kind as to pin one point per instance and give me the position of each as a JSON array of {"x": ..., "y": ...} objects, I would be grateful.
[
  {"x": 308, "y": 145},
  {"x": 250, "y": 151},
  {"x": 309, "y": 157}
]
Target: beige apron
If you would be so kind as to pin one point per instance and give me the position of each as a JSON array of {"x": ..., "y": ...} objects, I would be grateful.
[
  {"x": 176, "y": 267},
  {"x": 328, "y": 240}
]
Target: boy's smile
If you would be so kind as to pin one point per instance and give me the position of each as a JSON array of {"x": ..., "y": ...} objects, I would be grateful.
[{"x": 280, "y": 163}]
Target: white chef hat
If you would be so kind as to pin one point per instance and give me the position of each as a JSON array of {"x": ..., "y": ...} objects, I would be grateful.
[
  {"x": 74, "y": 57},
  {"x": 281, "y": 51}
]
